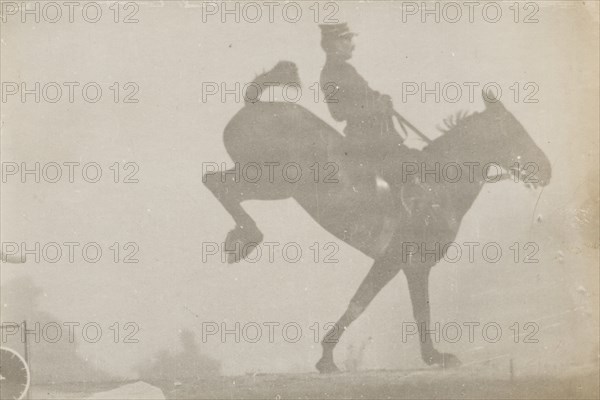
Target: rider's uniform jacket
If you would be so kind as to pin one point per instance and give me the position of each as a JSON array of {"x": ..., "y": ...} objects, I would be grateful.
[{"x": 350, "y": 99}]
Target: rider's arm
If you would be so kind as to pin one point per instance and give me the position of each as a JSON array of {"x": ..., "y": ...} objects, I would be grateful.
[{"x": 350, "y": 97}]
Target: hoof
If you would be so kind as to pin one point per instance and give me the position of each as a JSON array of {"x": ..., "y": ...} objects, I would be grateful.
[
  {"x": 327, "y": 367},
  {"x": 444, "y": 360},
  {"x": 241, "y": 242}
]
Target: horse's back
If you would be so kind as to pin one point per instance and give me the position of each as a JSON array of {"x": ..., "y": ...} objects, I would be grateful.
[
  {"x": 279, "y": 131},
  {"x": 289, "y": 133}
]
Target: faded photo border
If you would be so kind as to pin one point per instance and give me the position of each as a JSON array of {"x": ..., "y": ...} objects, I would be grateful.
[{"x": 198, "y": 198}]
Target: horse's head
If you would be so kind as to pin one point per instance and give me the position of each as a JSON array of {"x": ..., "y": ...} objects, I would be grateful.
[{"x": 513, "y": 148}]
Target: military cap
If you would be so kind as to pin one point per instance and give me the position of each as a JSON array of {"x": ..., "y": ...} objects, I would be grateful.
[{"x": 335, "y": 31}]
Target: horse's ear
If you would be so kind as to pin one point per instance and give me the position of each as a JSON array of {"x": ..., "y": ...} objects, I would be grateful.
[{"x": 490, "y": 100}]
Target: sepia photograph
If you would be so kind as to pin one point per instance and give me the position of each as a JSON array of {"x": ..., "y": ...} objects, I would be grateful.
[{"x": 299, "y": 199}]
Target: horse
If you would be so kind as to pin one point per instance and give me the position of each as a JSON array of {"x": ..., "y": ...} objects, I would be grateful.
[{"x": 378, "y": 220}]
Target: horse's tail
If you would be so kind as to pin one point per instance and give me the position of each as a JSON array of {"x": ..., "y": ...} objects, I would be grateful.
[
  {"x": 285, "y": 72},
  {"x": 254, "y": 90}
]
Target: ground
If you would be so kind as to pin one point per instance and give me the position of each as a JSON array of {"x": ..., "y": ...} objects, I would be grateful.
[{"x": 426, "y": 383}]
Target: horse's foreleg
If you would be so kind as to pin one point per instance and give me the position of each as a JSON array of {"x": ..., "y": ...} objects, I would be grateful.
[
  {"x": 380, "y": 274},
  {"x": 418, "y": 286}
]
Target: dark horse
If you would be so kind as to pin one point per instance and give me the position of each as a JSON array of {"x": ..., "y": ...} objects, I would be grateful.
[{"x": 377, "y": 220}]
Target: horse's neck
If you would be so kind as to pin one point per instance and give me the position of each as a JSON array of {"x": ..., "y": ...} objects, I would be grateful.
[{"x": 464, "y": 147}]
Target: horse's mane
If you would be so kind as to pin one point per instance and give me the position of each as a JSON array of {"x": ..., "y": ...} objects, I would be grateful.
[
  {"x": 454, "y": 120},
  {"x": 455, "y": 125}
]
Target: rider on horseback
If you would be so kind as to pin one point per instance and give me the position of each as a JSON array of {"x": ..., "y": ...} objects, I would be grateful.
[{"x": 370, "y": 133}]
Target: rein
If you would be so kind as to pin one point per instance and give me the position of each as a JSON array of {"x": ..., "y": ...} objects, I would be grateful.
[{"x": 404, "y": 124}]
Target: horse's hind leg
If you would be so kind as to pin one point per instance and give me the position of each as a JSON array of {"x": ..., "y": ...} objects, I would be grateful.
[
  {"x": 230, "y": 189},
  {"x": 418, "y": 286},
  {"x": 380, "y": 274}
]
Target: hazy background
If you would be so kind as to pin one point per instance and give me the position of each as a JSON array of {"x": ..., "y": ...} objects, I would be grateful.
[{"x": 170, "y": 132}]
